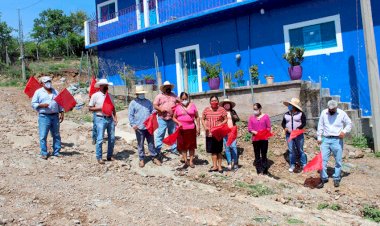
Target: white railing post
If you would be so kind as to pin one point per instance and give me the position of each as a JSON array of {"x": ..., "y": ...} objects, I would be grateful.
[
  {"x": 86, "y": 33},
  {"x": 146, "y": 13}
]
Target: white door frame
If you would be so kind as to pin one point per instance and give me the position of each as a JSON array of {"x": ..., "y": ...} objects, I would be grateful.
[{"x": 180, "y": 87}]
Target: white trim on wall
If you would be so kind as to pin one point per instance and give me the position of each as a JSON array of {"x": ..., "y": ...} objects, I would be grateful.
[
  {"x": 180, "y": 87},
  {"x": 338, "y": 35},
  {"x": 111, "y": 20}
]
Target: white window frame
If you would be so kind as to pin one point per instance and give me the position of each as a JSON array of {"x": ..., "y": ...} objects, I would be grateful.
[
  {"x": 111, "y": 20},
  {"x": 327, "y": 51},
  {"x": 180, "y": 87}
]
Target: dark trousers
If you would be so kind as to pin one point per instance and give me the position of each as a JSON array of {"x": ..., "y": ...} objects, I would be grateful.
[{"x": 261, "y": 161}]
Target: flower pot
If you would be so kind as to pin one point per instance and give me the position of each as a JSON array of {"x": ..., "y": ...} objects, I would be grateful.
[
  {"x": 227, "y": 85},
  {"x": 255, "y": 81},
  {"x": 149, "y": 81},
  {"x": 295, "y": 72},
  {"x": 241, "y": 82},
  {"x": 269, "y": 79},
  {"x": 214, "y": 83}
]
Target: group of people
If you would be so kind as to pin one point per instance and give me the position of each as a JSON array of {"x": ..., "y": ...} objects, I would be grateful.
[{"x": 180, "y": 113}]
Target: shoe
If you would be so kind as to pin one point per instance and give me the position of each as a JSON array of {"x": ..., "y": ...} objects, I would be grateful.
[
  {"x": 93, "y": 142},
  {"x": 100, "y": 161},
  {"x": 157, "y": 162},
  {"x": 291, "y": 169},
  {"x": 141, "y": 163},
  {"x": 192, "y": 165},
  {"x": 44, "y": 157},
  {"x": 336, "y": 183},
  {"x": 229, "y": 167},
  {"x": 265, "y": 171},
  {"x": 235, "y": 167},
  {"x": 321, "y": 184},
  {"x": 111, "y": 159},
  {"x": 212, "y": 170}
]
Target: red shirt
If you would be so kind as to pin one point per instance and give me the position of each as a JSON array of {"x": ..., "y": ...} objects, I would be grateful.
[{"x": 213, "y": 118}]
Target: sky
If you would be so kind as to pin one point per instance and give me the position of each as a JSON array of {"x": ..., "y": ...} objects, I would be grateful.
[{"x": 31, "y": 8}]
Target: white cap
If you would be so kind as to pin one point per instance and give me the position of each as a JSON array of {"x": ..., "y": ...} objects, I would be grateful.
[
  {"x": 332, "y": 104},
  {"x": 45, "y": 79}
]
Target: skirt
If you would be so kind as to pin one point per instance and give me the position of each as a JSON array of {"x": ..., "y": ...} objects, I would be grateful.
[
  {"x": 213, "y": 145},
  {"x": 187, "y": 139}
]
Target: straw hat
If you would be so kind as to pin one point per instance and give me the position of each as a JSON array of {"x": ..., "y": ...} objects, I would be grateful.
[
  {"x": 227, "y": 101},
  {"x": 103, "y": 81},
  {"x": 140, "y": 89},
  {"x": 45, "y": 79},
  {"x": 166, "y": 83},
  {"x": 294, "y": 102}
]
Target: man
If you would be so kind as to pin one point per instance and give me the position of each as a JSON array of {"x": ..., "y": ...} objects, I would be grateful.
[
  {"x": 139, "y": 110},
  {"x": 103, "y": 121},
  {"x": 163, "y": 103},
  {"x": 50, "y": 115},
  {"x": 333, "y": 126}
]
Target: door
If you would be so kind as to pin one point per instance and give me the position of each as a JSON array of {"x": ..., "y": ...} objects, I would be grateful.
[
  {"x": 153, "y": 17},
  {"x": 188, "y": 62}
]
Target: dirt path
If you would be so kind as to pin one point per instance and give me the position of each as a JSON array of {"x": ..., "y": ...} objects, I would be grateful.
[{"x": 76, "y": 190}]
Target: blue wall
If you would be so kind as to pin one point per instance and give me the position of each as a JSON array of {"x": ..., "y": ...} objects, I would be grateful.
[{"x": 259, "y": 39}]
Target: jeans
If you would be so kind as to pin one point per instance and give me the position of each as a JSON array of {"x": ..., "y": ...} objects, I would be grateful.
[
  {"x": 260, "y": 149},
  {"x": 94, "y": 133},
  {"x": 334, "y": 146},
  {"x": 48, "y": 123},
  {"x": 141, "y": 135},
  {"x": 231, "y": 151},
  {"x": 103, "y": 124},
  {"x": 161, "y": 131},
  {"x": 296, "y": 145}
]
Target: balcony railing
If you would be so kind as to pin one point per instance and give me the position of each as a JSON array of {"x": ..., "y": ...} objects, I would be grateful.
[{"x": 132, "y": 18}]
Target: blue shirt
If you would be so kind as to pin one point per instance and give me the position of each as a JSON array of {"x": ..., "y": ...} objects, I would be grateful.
[
  {"x": 139, "y": 110},
  {"x": 41, "y": 96}
]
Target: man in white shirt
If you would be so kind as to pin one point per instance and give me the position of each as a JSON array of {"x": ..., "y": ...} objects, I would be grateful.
[{"x": 333, "y": 126}]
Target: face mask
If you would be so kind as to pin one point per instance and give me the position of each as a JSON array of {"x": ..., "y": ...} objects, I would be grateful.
[
  {"x": 168, "y": 90},
  {"x": 214, "y": 104},
  {"x": 105, "y": 89},
  {"x": 48, "y": 85},
  {"x": 185, "y": 102},
  {"x": 256, "y": 112},
  {"x": 332, "y": 112},
  {"x": 290, "y": 107},
  {"x": 227, "y": 106},
  {"x": 141, "y": 96}
]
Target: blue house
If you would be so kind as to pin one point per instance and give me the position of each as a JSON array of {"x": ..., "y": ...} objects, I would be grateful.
[{"x": 176, "y": 35}]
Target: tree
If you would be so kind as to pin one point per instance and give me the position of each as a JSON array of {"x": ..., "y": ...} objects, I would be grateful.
[{"x": 6, "y": 39}]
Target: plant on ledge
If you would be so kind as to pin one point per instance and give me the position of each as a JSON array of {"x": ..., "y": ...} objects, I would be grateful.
[
  {"x": 295, "y": 58},
  {"x": 228, "y": 84},
  {"x": 254, "y": 72},
  {"x": 149, "y": 79},
  {"x": 212, "y": 74},
  {"x": 239, "y": 74}
]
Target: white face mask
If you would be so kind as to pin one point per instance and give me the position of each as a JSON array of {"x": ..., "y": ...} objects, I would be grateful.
[
  {"x": 48, "y": 85},
  {"x": 185, "y": 102},
  {"x": 141, "y": 96},
  {"x": 256, "y": 112}
]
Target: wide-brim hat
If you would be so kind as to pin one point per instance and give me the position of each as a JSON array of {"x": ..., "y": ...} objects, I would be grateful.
[
  {"x": 140, "y": 89},
  {"x": 227, "y": 101},
  {"x": 103, "y": 81},
  {"x": 45, "y": 79},
  {"x": 166, "y": 83},
  {"x": 295, "y": 102}
]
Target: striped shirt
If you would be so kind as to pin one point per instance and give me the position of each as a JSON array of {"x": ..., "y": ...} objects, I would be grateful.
[{"x": 213, "y": 118}]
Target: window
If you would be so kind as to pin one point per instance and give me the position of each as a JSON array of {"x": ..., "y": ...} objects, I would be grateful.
[
  {"x": 319, "y": 36},
  {"x": 107, "y": 12}
]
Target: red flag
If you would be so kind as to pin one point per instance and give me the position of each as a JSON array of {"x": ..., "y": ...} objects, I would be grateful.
[
  {"x": 314, "y": 164},
  {"x": 31, "y": 86},
  {"x": 151, "y": 123},
  {"x": 264, "y": 134},
  {"x": 93, "y": 89},
  {"x": 232, "y": 136},
  {"x": 65, "y": 100},
  {"x": 108, "y": 107},
  {"x": 295, "y": 133},
  {"x": 220, "y": 131},
  {"x": 172, "y": 138}
]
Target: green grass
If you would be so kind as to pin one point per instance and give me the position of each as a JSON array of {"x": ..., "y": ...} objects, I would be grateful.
[
  {"x": 294, "y": 221},
  {"x": 12, "y": 83},
  {"x": 377, "y": 154},
  {"x": 87, "y": 118},
  {"x": 255, "y": 190},
  {"x": 247, "y": 136},
  {"x": 372, "y": 213},
  {"x": 322, "y": 206},
  {"x": 260, "y": 219},
  {"x": 202, "y": 175},
  {"x": 359, "y": 141},
  {"x": 334, "y": 207}
]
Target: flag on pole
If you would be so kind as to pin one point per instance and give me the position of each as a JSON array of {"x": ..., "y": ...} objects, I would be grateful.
[
  {"x": 151, "y": 123},
  {"x": 314, "y": 164},
  {"x": 65, "y": 100},
  {"x": 232, "y": 136},
  {"x": 219, "y": 132},
  {"x": 108, "y": 106},
  {"x": 172, "y": 138},
  {"x": 295, "y": 133},
  {"x": 264, "y": 134},
  {"x": 93, "y": 89},
  {"x": 31, "y": 86}
]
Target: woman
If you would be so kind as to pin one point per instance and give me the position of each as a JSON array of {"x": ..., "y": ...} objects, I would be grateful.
[
  {"x": 294, "y": 119},
  {"x": 214, "y": 116},
  {"x": 232, "y": 118},
  {"x": 184, "y": 115},
  {"x": 258, "y": 122}
]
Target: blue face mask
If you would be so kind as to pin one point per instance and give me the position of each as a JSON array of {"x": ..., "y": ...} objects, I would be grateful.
[{"x": 290, "y": 107}]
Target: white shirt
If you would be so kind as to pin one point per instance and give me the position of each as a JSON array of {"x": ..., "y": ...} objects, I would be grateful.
[
  {"x": 97, "y": 100},
  {"x": 333, "y": 125}
]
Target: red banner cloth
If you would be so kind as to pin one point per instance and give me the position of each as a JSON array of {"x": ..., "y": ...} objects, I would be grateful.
[
  {"x": 65, "y": 100},
  {"x": 262, "y": 135},
  {"x": 93, "y": 89},
  {"x": 232, "y": 136},
  {"x": 314, "y": 164},
  {"x": 218, "y": 132},
  {"x": 31, "y": 86},
  {"x": 108, "y": 107},
  {"x": 151, "y": 123},
  {"x": 295, "y": 133},
  {"x": 172, "y": 138}
]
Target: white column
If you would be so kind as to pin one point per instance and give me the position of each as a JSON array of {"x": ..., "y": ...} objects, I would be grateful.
[
  {"x": 86, "y": 33},
  {"x": 138, "y": 14},
  {"x": 146, "y": 13}
]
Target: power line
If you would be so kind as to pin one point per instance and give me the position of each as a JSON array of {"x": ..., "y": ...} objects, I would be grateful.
[{"x": 29, "y": 6}]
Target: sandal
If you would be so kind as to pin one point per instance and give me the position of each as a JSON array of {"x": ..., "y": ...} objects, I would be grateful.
[
  {"x": 192, "y": 165},
  {"x": 212, "y": 170}
]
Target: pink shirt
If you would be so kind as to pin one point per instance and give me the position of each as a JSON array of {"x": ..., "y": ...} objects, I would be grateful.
[
  {"x": 186, "y": 118},
  {"x": 255, "y": 124},
  {"x": 166, "y": 102}
]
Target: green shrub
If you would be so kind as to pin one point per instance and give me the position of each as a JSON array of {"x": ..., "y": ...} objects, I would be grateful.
[
  {"x": 371, "y": 213},
  {"x": 255, "y": 190},
  {"x": 359, "y": 141},
  {"x": 322, "y": 206}
]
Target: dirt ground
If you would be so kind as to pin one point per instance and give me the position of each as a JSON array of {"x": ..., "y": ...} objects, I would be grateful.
[{"x": 75, "y": 189}]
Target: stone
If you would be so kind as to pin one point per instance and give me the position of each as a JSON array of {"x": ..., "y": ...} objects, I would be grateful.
[{"x": 76, "y": 221}]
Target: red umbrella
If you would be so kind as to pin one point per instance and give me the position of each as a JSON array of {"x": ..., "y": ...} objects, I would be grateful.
[
  {"x": 295, "y": 133},
  {"x": 220, "y": 131},
  {"x": 65, "y": 100},
  {"x": 31, "y": 86},
  {"x": 151, "y": 123},
  {"x": 264, "y": 134},
  {"x": 172, "y": 138},
  {"x": 232, "y": 136},
  {"x": 314, "y": 164},
  {"x": 108, "y": 107}
]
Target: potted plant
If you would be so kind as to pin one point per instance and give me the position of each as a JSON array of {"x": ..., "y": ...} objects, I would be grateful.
[
  {"x": 254, "y": 72},
  {"x": 295, "y": 57},
  {"x": 212, "y": 74},
  {"x": 228, "y": 84},
  {"x": 149, "y": 79},
  {"x": 239, "y": 76},
  {"x": 269, "y": 78}
]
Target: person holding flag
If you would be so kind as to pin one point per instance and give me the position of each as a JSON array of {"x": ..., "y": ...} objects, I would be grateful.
[
  {"x": 259, "y": 126},
  {"x": 294, "y": 119},
  {"x": 92, "y": 90},
  {"x": 333, "y": 126},
  {"x": 50, "y": 115},
  {"x": 138, "y": 111},
  {"x": 101, "y": 103}
]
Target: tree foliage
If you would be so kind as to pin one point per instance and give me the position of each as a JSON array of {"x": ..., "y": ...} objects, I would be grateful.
[{"x": 6, "y": 39}]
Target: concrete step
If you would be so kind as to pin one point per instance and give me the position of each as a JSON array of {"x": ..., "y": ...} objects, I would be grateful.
[
  {"x": 344, "y": 106},
  {"x": 325, "y": 92},
  {"x": 326, "y": 99},
  {"x": 366, "y": 126}
]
